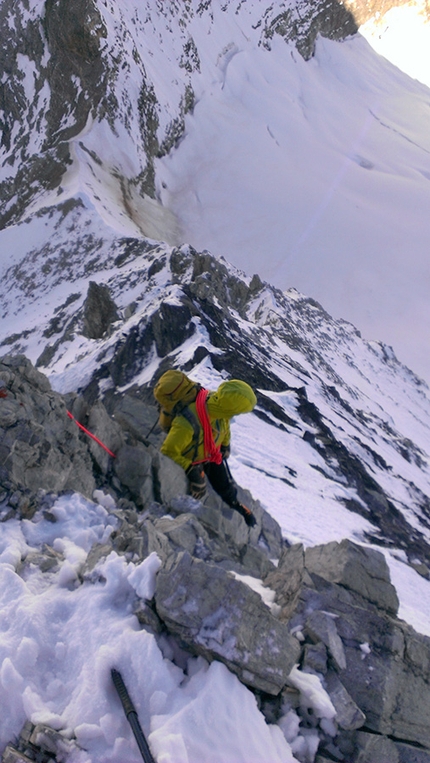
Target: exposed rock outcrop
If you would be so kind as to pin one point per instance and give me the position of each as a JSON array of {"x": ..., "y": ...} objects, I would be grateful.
[
  {"x": 100, "y": 311},
  {"x": 204, "y": 605},
  {"x": 43, "y": 449},
  {"x": 62, "y": 47},
  {"x": 349, "y": 566},
  {"x": 40, "y": 448},
  {"x": 349, "y": 607}
]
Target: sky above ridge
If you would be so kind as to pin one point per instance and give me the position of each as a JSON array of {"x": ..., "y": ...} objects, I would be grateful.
[{"x": 402, "y": 36}]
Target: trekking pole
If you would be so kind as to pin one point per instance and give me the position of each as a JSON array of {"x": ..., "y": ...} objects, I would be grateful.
[
  {"x": 228, "y": 470},
  {"x": 152, "y": 429},
  {"x": 132, "y": 717}
]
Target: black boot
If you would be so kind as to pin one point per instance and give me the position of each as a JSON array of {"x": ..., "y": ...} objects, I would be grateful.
[{"x": 246, "y": 514}]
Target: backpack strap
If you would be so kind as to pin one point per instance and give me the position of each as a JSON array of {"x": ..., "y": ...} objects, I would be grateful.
[{"x": 183, "y": 410}]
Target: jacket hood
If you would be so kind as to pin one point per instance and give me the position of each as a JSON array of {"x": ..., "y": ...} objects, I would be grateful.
[{"x": 231, "y": 398}]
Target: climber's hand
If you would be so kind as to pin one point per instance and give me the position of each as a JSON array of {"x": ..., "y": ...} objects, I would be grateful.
[{"x": 225, "y": 451}]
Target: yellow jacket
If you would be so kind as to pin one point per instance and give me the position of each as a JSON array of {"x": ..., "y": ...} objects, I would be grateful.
[{"x": 231, "y": 398}]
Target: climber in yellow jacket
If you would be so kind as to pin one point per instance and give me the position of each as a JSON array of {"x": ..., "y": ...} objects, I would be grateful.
[{"x": 198, "y": 426}]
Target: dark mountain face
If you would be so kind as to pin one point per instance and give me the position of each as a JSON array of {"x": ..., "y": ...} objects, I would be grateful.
[{"x": 55, "y": 81}]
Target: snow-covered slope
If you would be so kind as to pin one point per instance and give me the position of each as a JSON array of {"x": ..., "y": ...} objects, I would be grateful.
[
  {"x": 402, "y": 35},
  {"x": 315, "y": 174},
  {"x": 204, "y": 123}
]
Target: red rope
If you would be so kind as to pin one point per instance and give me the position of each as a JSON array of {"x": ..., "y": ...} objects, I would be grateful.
[
  {"x": 90, "y": 434},
  {"x": 211, "y": 451}
]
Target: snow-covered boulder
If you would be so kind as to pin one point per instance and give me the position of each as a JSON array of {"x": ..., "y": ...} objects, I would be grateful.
[
  {"x": 222, "y": 618},
  {"x": 338, "y": 597}
]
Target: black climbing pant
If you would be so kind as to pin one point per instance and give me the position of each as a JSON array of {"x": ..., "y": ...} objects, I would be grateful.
[{"x": 222, "y": 482}]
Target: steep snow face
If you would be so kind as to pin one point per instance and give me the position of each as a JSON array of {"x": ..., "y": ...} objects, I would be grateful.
[
  {"x": 80, "y": 114},
  {"x": 201, "y": 122},
  {"x": 315, "y": 175},
  {"x": 91, "y": 95}
]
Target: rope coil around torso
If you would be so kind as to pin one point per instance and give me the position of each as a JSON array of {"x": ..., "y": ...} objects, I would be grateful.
[{"x": 211, "y": 450}]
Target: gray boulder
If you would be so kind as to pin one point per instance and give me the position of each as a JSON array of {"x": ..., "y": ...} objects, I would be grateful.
[
  {"x": 340, "y": 597},
  {"x": 248, "y": 549},
  {"x": 186, "y": 533},
  {"x": 170, "y": 478},
  {"x": 40, "y": 448},
  {"x": 321, "y": 627},
  {"x": 315, "y": 658},
  {"x": 359, "y": 569},
  {"x": 211, "y": 512},
  {"x": 410, "y": 754},
  {"x": 138, "y": 418},
  {"x": 375, "y": 749},
  {"x": 348, "y": 714},
  {"x": 221, "y": 618},
  {"x": 139, "y": 539},
  {"x": 133, "y": 467},
  {"x": 267, "y": 532},
  {"x": 287, "y": 580},
  {"x": 108, "y": 432},
  {"x": 391, "y": 683},
  {"x": 387, "y": 663}
]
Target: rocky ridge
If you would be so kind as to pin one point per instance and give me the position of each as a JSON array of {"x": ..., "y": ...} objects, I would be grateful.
[
  {"x": 331, "y": 618},
  {"x": 151, "y": 307}
]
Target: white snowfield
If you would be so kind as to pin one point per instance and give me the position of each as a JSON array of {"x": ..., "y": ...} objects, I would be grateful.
[{"x": 315, "y": 175}]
